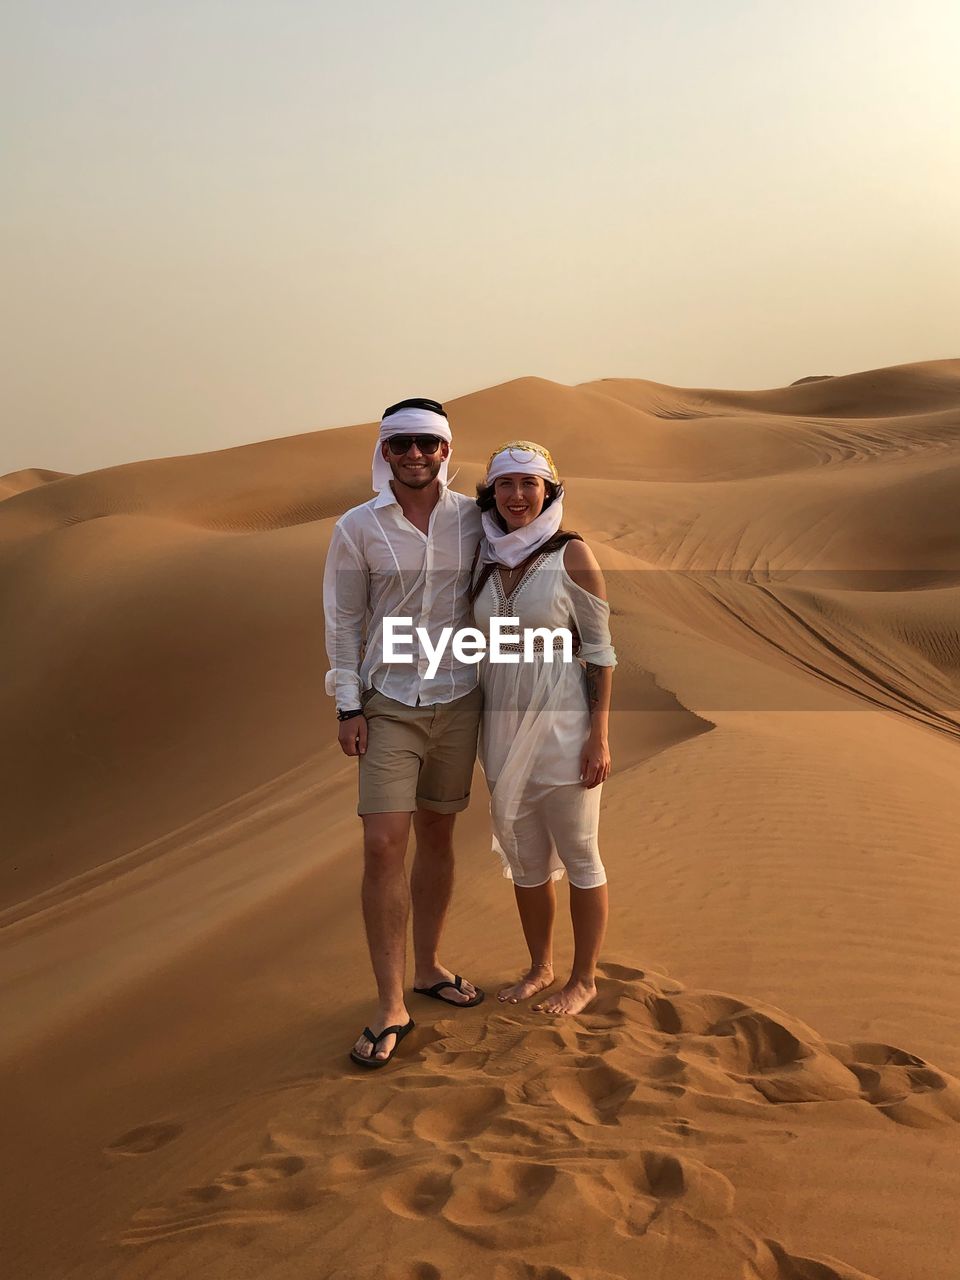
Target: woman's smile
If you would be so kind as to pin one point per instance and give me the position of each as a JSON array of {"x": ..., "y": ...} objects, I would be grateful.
[{"x": 519, "y": 499}]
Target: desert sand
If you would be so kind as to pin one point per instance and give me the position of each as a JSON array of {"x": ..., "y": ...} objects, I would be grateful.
[{"x": 767, "y": 1086}]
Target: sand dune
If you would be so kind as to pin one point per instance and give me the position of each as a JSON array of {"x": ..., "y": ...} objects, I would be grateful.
[
  {"x": 20, "y": 481},
  {"x": 767, "y": 1087}
]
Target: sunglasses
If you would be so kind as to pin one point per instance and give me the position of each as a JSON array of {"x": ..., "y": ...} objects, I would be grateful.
[{"x": 398, "y": 445}]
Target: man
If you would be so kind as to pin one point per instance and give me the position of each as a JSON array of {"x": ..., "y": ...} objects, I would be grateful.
[{"x": 406, "y": 553}]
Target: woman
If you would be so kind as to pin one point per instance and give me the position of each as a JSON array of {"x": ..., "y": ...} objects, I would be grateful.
[{"x": 543, "y": 738}]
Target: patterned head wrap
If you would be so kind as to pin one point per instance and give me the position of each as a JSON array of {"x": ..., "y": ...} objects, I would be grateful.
[{"x": 511, "y": 548}]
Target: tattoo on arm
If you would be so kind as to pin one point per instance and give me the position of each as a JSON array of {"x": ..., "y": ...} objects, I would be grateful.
[{"x": 593, "y": 686}]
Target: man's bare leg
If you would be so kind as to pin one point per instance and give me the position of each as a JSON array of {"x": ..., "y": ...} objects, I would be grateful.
[
  {"x": 538, "y": 909},
  {"x": 588, "y": 910},
  {"x": 386, "y": 907},
  {"x": 431, "y": 885}
]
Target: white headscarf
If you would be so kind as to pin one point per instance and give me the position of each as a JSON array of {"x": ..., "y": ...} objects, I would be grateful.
[
  {"x": 407, "y": 422},
  {"x": 529, "y": 459}
]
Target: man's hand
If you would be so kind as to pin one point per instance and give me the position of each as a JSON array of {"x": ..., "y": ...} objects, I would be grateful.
[{"x": 352, "y": 736}]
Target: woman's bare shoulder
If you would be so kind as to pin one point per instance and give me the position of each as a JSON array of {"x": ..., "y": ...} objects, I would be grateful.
[{"x": 581, "y": 564}]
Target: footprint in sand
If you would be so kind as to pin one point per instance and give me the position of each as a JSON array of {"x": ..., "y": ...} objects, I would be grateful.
[
  {"x": 516, "y": 1269},
  {"x": 592, "y": 1094},
  {"x": 653, "y": 1180},
  {"x": 144, "y": 1139},
  {"x": 784, "y": 1064},
  {"x": 596, "y": 1044},
  {"x": 497, "y": 1190},
  {"x": 211, "y": 1204},
  {"x": 902, "y": 1086},
  {"x": 414, "y": 1271},
  {"x": 502, "y": 1204},
  {"x": 423, "y": 1191},
  {"x": 258, "y": 1173},
  {"x": 682, "y": 1127},
  {"x": 625, "y": 974},
  {"x": 504, "y": 1269},
  {"x": 448, "y": 1113},
  {"x": 459, "y": 1114},
  {"x": 622, "y": 972},
  {"x": 501, "y": 1046},
  {"x": 361, "y": 1163},
  {"x": 388, "y": 1269},
  {"x": 778, "y": 1264},
  {"x": 509, "y": 1134},
  {"x": 738, "y": 1044}
]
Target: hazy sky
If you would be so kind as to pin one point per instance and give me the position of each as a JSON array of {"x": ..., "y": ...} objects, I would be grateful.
[{"x": 226, "y": 220}]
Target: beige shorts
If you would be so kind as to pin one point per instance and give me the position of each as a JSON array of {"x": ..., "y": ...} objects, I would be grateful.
[{"x": 418, "y": 757}]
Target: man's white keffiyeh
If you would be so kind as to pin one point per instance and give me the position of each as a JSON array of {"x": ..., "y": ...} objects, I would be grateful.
[{"x": 409, "y": 422}]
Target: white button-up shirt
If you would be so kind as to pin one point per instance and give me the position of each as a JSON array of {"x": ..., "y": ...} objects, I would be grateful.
[{"x": 380, "y": 565}]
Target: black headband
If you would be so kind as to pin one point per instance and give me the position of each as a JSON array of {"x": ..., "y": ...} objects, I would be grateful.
[{"x": 415, "y": 402}]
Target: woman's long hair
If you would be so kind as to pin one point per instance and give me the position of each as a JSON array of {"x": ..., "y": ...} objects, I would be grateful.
[{"x": 486, "y": 501}]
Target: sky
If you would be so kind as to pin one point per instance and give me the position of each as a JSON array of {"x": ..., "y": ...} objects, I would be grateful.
[{"x": 224, "y": 221}]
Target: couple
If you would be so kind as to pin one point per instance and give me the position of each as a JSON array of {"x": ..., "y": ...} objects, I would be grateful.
[{"x": 423, "y": 552}]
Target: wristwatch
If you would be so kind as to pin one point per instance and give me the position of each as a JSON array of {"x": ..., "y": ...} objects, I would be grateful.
[{"x": 348, "y": 715}]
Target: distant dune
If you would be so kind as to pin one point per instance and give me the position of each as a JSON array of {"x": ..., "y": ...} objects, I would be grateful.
[
  {"x": 767, "y": 1087},
  {"x": 21, "y": 481}
]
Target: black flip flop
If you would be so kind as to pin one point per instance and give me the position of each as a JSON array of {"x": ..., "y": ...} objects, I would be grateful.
[
  {"x": 397, "y": 1031},
  {"x": 457, "y": 984}
]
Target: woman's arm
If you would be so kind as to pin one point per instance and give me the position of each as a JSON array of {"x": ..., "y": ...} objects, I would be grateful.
[{"x": 581, "y": 564}]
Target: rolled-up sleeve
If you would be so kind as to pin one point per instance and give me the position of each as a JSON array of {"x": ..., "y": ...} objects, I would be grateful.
[
  {"x": 345, "y": 594},
  {"x": 592, "y": 618}
]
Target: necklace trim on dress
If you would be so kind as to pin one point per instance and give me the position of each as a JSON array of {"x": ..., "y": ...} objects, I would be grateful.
[{"x": 504, "y": 598}]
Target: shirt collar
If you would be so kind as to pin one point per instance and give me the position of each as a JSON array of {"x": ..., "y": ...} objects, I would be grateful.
[{"x": 386, "y": 497}]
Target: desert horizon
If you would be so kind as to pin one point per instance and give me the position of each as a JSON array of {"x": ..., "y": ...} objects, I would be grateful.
[{"x": 768, "y": 1085}]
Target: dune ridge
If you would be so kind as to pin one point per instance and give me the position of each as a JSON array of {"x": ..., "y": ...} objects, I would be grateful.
[
  {"x": 183, "y": 967},
  {"x": 21, "y": 481}
]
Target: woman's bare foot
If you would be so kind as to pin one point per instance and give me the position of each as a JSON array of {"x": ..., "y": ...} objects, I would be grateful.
[
  {"x": 537, "y": 978},
  {"x": 573, "y": 998}
]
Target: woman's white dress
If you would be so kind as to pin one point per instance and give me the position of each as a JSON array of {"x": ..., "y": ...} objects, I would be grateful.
[{"x": 536, "y": 720}]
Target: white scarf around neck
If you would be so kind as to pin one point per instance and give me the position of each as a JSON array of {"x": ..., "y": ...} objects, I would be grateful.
[{"x": 510, "y": 549}]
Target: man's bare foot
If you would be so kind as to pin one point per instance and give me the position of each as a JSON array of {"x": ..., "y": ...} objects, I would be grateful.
[
  {"x": 573, "y": 998},
  {"x": 364, "y": 1049},
  {"x": 537, "y": 978},
  {"x": 427, "y": 978}
]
